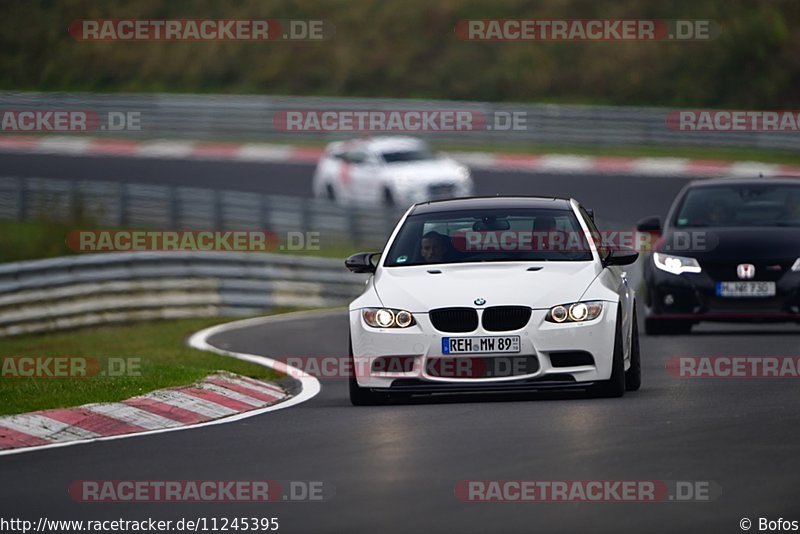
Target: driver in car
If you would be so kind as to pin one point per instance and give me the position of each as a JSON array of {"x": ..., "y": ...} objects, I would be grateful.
[{"x": 434, "y": 246}]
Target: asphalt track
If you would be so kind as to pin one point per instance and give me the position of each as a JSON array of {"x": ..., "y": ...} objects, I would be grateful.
[
  {"x": 395, "y": 468},
  {"x": 630, "y": 197}
]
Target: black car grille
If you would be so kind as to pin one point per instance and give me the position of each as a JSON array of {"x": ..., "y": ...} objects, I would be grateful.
[
  {"x": 745, "y": 305},
  {"x": 765, "y": 271},
  {"x": 550, "y": 381},
  {"x": 481, "y": 366},
  {"x": 574, "y": 358},
  {"x": 504, "y": 318},
  {"x": 454, "y": 319}
]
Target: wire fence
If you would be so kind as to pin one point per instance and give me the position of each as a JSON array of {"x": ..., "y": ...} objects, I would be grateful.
[
  {"x": 125, "y": 205},
  {"x": 228, "y": 117}
]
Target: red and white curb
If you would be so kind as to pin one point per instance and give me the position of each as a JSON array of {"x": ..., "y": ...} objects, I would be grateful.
[
  {"x": 220, "y": 398},
  {"x": 275, "y": 153},
  {"x": 219, "y": 395}
]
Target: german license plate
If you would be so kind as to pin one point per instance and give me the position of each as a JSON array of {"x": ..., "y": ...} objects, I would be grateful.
[
  {"x": 480, "y": 345},
  {"x": 746, "y": 289}
]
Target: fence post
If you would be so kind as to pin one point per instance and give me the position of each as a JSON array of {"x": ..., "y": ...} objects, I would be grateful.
[
  {"x": 305, "y": 216},
  {"x": 74, "y": 210},
  {"x": 218, "y": 214},
  {"x": 264, "y": 212},
  {"x": 122, "y": 216},
  {"x": 22, "y": 199},
  {"x": 174, "y": 209},
  {"x": 352, "y": 223}
]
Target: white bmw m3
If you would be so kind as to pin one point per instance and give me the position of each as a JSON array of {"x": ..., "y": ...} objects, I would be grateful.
[{"x": 493, "y": 294}]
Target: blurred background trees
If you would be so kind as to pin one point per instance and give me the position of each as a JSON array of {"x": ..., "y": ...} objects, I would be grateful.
[{"x": 407, "y": 49}]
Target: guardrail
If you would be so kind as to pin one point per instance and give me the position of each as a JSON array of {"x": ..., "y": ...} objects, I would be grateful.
[
  {"x": 70, "y": 292},
  {"x": 252, "y": 118},
  {"x": 108, "y": 204},
  {"x": 89, "y": 289}
]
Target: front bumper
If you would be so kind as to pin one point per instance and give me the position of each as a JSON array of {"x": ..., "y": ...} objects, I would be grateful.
[
  {"x": 564, "y": 354},
  {"x": 435, "y": 190},
  {"x": 693, "y": 297}
]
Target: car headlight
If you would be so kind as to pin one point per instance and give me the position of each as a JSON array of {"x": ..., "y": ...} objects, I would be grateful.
[
  {"x": 577, "y": 312},
  {"x": 387, "y": 318},
  {"x": 675, "y": 264},
  {"x": 796, "y": 266}
]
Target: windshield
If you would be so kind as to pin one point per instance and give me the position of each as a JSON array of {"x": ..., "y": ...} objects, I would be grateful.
[
  {"x": 748, "y": 205},
  {"x": 489, "y": 235},
  {"x": 403, "y": 156}
]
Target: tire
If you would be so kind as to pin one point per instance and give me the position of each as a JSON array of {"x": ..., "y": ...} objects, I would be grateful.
[
  {"x": 614, "y": 386},
  {"x": 388, "y": 198},
  {"x": 666, "y": 327},
  {"x": 362, "y": 396},
  {"x": 633, "y": 376}
]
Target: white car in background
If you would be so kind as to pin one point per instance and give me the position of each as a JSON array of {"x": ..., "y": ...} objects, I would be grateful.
[{"x": 388, "y": 171}]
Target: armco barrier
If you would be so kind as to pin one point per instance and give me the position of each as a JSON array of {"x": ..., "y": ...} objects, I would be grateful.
[
  {"x": 160, "y": 207},
  {"x": 69, "y": 292},
  {"x": 232, "y": 117}
]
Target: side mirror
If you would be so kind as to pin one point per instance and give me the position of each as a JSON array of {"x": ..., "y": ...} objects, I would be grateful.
[
  {"x": 649, "y": 224},
  {"x": 361, "y": 262},
  {"x": 621, "y": 256}
]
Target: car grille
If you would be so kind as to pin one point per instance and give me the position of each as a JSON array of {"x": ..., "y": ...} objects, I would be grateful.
[
  {"x": 765, "y": 271},
  {"x": 574, "y": 358},
  {"x": 454, "y": 319},
  {"x": 550, "y": 381},
  {"x": 503, "y": 318},
  {"x": 716, "y": 304},
  {"x": 481, "y": 366}
]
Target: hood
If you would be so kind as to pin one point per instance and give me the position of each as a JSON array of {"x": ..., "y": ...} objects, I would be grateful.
[
  {"x": 415, "y": 289},
  {"x": 771, "y": 244}
]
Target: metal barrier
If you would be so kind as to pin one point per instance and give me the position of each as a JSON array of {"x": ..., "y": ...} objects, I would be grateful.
[
  {"x": 108, "y": 204},
  {"x": 88, "y": 289},
  {"x": 70, "y": 292},
  {"x": 253, "y": 118}
]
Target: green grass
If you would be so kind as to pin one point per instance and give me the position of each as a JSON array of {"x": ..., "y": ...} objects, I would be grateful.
[
  {"x": 31, "y": 240},
  {"x": 165, "y": 361}
]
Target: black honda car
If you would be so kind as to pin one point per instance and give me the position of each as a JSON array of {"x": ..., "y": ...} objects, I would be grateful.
[{"x": 729, "y": 250}]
